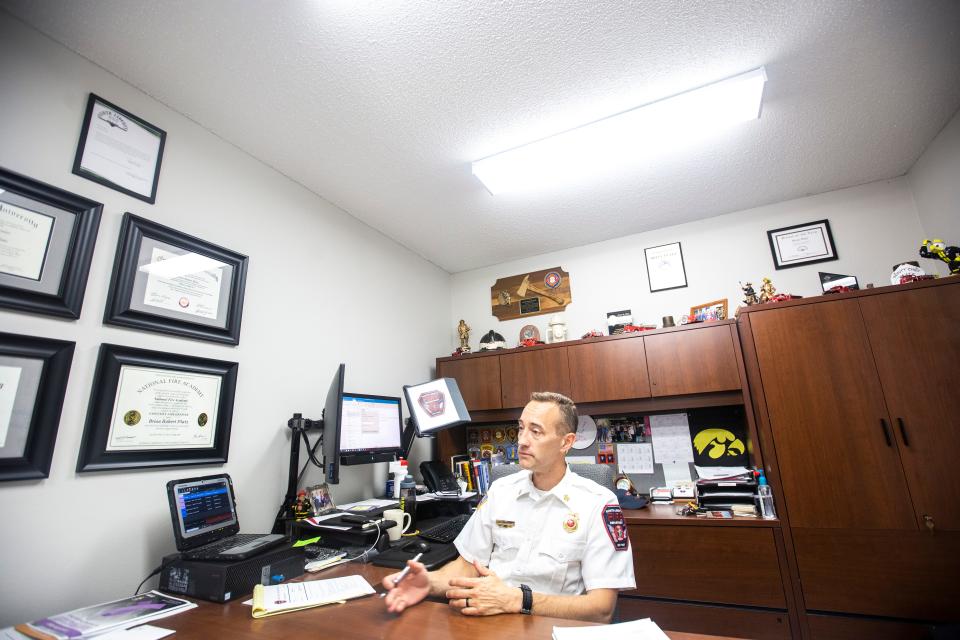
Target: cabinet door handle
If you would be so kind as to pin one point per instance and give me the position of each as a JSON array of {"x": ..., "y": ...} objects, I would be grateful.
[
  {"x": 903, "y": 432},
  {"x": 886, "y": 432}
]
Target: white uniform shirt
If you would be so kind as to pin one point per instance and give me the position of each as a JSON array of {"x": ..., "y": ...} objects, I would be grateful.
[{"x": 568, "y": 540}]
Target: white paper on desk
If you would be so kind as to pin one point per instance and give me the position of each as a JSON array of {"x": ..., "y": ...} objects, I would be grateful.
[
  {"x": 143, "y": 632},
  {"x": 712, "y": 473},
  {"x": 676, "y": 473},
  {"x": 581, "y": 460},
  {"x": 635, "y": 458},
  {"x": 671, "y": 438},
  {"x": 645, "y": 629},
  {"x": 367, "y": 505},
  {"x": 9, "y": 633},
  {"x": 327, "y": 516}
]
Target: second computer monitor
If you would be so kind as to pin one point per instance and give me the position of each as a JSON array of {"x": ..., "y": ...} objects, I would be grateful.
[{"x": 370, "y": 428}]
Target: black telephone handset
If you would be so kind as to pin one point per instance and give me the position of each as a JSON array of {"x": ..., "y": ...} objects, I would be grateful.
[{"x": 438, "y": 477}]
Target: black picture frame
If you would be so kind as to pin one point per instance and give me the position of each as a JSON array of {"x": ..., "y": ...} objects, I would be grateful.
[
  {"x": 667, "y": 263},
  {"x": 789, "y": 244},
  {"x": 30, "y": 432},
  {"x": 58, "y": 288},
  {"x": 176, "y": 369},
  {"x": 117, "y": 119},
  {"x": 127, "y": 306}
]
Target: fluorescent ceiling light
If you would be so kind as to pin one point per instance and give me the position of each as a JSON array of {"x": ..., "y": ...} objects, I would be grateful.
[{"x": 623, "y": 138}]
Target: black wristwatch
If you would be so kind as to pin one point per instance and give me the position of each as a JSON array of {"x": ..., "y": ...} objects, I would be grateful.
[{"x": 527, "y": 606}]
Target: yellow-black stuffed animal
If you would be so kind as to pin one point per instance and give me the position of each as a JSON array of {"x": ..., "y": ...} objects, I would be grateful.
[{"x": 937, "y": 250}]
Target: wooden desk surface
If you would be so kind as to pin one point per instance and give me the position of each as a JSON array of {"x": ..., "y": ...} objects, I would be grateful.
[{"x": 365, "y": 618}]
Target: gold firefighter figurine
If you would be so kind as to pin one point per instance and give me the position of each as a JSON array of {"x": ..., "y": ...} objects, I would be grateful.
[{"x": 766, "y": 291}]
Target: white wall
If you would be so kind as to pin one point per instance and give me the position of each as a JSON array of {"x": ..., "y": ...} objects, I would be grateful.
[
  {"x": 935, "y": 179},
  {"x": 874, "y": 227},
  {"x": 322, "y": 289}
]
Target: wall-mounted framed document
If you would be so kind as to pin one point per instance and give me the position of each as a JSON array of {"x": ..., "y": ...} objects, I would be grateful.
[
  {"x": 665, "y": 267},
  {"x": 33, "y": 381},
  {"x": 119, "y": 150},
  {"x": 156, "y": 409},
  {"x": 802, "y": 244},
  {"x": 47, "y": 237},
  {"x": 167, "y": 281}
]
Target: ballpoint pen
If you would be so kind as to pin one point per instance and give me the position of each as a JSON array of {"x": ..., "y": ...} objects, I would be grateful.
[{"x": 403, "y": 574}]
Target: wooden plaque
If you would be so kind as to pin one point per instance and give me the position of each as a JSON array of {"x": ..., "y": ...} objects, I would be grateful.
[{"x": 531, "y": 294}]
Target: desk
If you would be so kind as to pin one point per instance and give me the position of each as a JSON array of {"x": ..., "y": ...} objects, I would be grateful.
[{"x": 365, "y": 618}]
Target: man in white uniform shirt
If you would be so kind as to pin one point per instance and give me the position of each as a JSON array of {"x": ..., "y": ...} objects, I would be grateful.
[{"x": 543, "y": 541}]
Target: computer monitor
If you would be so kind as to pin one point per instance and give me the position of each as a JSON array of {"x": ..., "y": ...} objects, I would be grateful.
[
  {"x": 436, "y": 405},
  {"x": 370, "y": 428},
  {"x": 331, "y": 428}
]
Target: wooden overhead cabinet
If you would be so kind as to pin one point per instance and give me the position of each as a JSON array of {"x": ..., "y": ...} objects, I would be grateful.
[
  {"x": 613, "y": 370},
  {"x": 537, "y": 369},
  {"x": 478, "y": 378},
  {"x": 702, "y": 360}
]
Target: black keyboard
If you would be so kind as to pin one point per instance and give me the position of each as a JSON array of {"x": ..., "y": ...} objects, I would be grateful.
[
  {"x": 212, "y": 551},
  {"x": 446, "y": 531}
]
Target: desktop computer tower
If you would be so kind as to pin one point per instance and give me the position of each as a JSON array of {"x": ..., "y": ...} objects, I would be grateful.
[{"x": 224, "y": 581}]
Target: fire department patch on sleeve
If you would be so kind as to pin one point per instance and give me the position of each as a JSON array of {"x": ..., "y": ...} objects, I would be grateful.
[{"x": 616, "y": 527}]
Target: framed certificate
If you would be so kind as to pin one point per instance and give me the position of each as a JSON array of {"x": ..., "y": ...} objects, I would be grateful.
[
  {"x": 155, "y": 409},
  {"x": 47, "y": 237},
  {"x": 119, "y": 150},
  {"x": 169, "y": 282},
  {"x": 802, "y": 244},
  {"x": 665, "y": 267},
  {"x": 33, "y": 380}
]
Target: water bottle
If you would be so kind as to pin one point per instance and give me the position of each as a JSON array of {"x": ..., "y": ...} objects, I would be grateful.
[
  {"x": 408, "y": 499},
  {"x": 765, "y": 498}
]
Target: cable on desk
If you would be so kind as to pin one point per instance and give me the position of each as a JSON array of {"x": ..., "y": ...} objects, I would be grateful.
[
  {"x": 365, "y": 556},
  {"x": 162, "y": 566}
]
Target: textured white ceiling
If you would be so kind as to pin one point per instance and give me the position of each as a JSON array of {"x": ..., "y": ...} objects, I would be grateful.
[{"x": 379, "y": 105}]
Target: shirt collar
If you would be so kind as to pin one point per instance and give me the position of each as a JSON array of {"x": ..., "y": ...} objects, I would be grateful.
[{"x": 560, "y": 490}]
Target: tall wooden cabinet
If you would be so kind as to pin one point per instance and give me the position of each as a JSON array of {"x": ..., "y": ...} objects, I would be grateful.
[{"x": 857, "y": 396}]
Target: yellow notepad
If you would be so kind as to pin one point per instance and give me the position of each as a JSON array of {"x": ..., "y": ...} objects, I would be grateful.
[{"x": 292, "y": 596}]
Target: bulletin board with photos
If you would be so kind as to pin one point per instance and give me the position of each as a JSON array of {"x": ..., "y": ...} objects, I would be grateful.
[{"x": 715, "y": 437}]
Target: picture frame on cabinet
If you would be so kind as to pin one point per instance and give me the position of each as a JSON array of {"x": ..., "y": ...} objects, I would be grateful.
[
  {"x": 47, "y": 236},
  {"x": 119, "y": 150},
  {"x": 170, "y": 282},
  {"x": 157, "y": 409},
  {"x": 709, "y": 311},
  {"x": 33, "y": 382},
  {"x": 802, "y": 244}
]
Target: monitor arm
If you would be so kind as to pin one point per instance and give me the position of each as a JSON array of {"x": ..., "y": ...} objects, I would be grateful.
[{"x": 299, "y": 426}]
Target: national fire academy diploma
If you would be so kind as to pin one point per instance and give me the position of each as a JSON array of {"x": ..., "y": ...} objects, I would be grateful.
[{"x": 163, "y": 409}]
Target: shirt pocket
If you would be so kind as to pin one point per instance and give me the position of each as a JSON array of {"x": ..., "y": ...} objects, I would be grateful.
[
  {"x": 561, "y": 560},
  {"x": 506, "y": 546}
]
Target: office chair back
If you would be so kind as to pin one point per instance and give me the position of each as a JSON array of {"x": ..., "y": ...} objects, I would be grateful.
[{"x": 602, "y": 474}]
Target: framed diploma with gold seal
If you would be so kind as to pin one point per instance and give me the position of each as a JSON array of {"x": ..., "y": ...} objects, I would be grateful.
[
  {"x": 47, "y": 237},
  {"x": 156, "y": 409},
  {"x": 33, "y": 380},
  {"x": 166, "y": 281}
]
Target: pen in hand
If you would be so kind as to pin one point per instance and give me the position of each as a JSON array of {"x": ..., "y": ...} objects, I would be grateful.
[{"x": 403, "y": 574}]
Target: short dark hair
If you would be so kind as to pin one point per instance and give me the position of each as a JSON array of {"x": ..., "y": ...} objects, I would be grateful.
[{"x": 568, "y": 410}]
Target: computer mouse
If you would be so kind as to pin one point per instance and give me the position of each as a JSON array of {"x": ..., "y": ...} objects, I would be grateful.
[{"x": 417, "y": 546}]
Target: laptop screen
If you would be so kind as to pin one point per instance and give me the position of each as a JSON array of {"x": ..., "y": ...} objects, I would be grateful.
[{"x": 203, "y": 510}]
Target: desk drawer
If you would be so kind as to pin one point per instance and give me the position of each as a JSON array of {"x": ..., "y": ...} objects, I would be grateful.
[
  {"x": 715, "y": 620},
  {"x": 729, "y": 565},
  {"x": 900, "y": 574}
]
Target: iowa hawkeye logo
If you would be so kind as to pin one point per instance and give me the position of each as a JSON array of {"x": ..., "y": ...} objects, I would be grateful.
[{"x": 717, "y": 443}]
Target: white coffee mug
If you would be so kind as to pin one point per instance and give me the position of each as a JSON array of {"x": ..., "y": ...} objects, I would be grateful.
[{"x": 402, "y": 520}]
